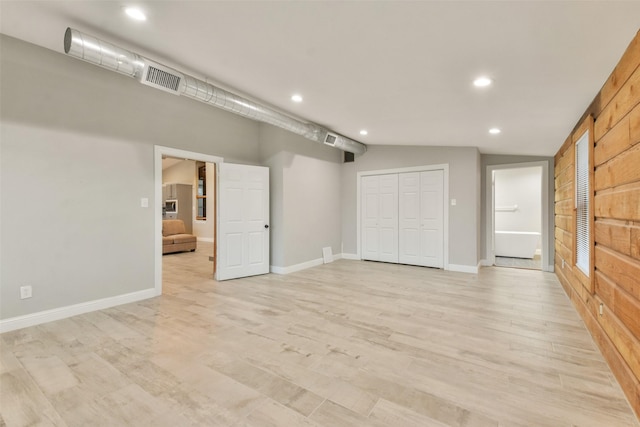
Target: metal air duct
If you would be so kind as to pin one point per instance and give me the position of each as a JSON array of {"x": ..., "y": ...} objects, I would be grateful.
[{"x": 150, "y": 73}]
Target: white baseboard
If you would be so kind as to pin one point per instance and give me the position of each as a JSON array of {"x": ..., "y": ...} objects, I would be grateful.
[
  {"x": 473, "y": 269},
  {"x": 40, "y": 317},
  {"x": 309, "y": 264},
  {"x": 297, "y": 267},
  {"x": 205, "y": 239},
  {"x": 485, "y": 263},
  {"x": 464, "y": 268}
]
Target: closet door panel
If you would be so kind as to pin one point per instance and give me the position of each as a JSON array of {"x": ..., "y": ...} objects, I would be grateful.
[
  {"x": 370, "y": 203},
  {"x": 388, "y": 220},
  {"x": 431, "y": 218},
  {"x": 379, "y": 204},
  {"x": 409, "y": 218}
]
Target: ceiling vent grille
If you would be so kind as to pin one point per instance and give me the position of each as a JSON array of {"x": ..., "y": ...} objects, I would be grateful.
[
  {"x": 160, "y": 77},
  {"x": 330, "y": 139}
]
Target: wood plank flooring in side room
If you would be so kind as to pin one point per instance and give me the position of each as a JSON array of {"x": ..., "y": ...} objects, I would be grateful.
[{"x": 349, "y": 343}]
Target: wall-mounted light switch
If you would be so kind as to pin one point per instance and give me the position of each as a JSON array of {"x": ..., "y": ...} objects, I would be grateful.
[
  {"x": 453, "y": 202},
  {"x": 25, "y": 292},
  {"x": 144, "y": 202}
]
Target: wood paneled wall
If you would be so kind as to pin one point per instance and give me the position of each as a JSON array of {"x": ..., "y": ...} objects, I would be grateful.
[{"x": 615, "y": 283}]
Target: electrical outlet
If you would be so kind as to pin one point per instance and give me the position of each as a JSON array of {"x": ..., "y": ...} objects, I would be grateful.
[{"x": 25, "y": 292}]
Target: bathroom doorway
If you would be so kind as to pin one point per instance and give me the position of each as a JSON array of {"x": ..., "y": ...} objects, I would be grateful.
[
  {"x": 517, "y": 233},
  {"x": 518, "y": 217}
]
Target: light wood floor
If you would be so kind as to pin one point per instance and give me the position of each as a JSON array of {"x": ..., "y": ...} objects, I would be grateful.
[{"x": 347, "y": 343}]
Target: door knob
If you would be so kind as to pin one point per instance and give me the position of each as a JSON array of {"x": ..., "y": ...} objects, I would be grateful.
[{"x": 266, "y": 226}]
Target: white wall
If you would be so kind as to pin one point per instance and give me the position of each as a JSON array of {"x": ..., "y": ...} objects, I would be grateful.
[
  {"x": 312, "y": 208},
  {"x": 275, "y": 161},
  {"x": 72, "y": 225},
  {"x": 305, "y": 195},
  {"x": 77, "y": 157},
  {"x": 521, "y": 187},
  {"x": 464, "y": 218}
]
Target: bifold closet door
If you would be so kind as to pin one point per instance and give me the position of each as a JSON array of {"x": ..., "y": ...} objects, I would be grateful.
[
  {"x": 409, "y": 218},
  {"x": 421, "y": 218},
  {"x": 432, "y": 218},
  {"x": 379, "y": 206}
]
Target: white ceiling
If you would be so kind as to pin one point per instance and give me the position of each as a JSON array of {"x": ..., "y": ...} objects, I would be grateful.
[{"x": 401, "y": 70}]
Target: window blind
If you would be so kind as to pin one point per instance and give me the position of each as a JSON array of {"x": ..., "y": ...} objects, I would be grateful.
[{"x": 583, "y": 246}]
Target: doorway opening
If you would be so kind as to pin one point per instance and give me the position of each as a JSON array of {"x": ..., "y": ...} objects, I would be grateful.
[
  {"x": 188, "y": 196},
  {"x": 517, "y": 233},
  {"x": 185, "y": 184}
]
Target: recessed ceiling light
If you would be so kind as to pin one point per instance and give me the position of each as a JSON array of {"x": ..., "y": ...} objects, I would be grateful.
[
  {"x": 296, "y": 98},
  {"x": 494, "y": 131},
  {"x": 482, "y": 82},
  {"x": 135, "y": 13},
  {"x": 363, "y": 132}
]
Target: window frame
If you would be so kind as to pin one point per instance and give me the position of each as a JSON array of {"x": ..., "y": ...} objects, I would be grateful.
[{"x": 585, "y": 278}]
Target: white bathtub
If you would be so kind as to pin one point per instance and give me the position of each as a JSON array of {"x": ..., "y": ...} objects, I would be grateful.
[{"x": 516, "y": 244}]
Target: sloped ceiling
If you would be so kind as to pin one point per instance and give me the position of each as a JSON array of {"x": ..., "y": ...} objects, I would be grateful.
[{"x": 401, "y": 70}]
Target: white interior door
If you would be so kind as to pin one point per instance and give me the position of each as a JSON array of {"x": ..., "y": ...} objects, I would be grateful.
[
  {"x": 243, "y": 221},
  {"x": 431, "y": 218},
  {"x": 380, "y": 217}
]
